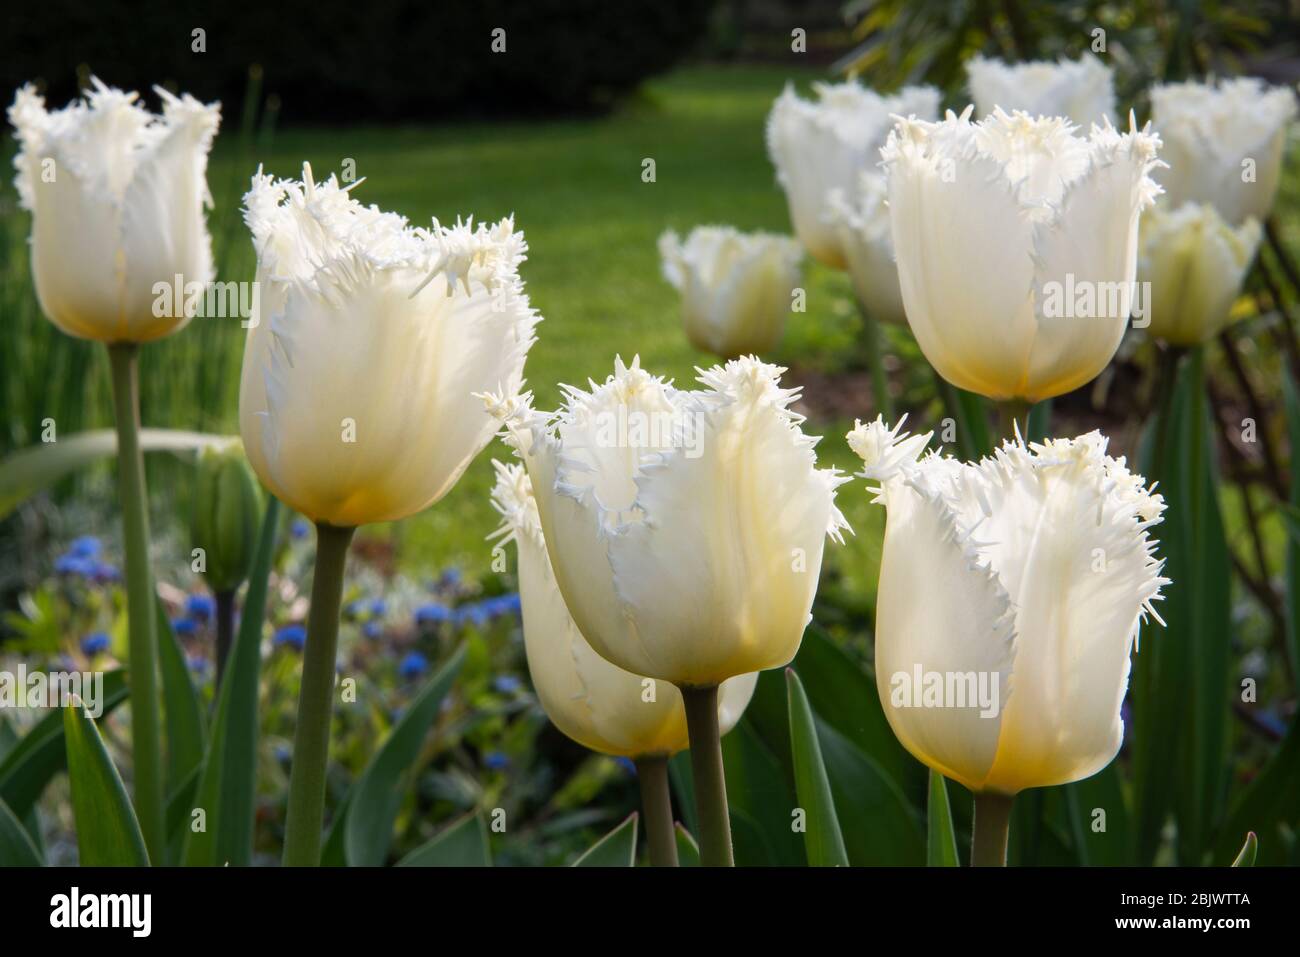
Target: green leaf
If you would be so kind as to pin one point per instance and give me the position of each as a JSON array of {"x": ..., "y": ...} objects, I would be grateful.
[
  {"x": 463, "y": 844},
  {"x": 28, "y": 767},
  {"x": 878, "y": 823},
  {"x": 16, "y": 847},
  {"x": 822, "y": 839},
  {"x": 31, "y": 820},
  {"x": 108, "y": 834},
  {"x": 615, "y": 849},
  {"x": 688, "y": 852},
  {"x": 26, "y": 472},
  {"x": 184, "y": 715},
  {"x": 227, "y": 786},
  {"x": 378, "y": 794},
  {"x": 760, "y": 791},
  {"x": 1291, "y": 398},
  {"x": 941, "y": 845},
  {"x": 1110, "y": 846},
  {"x": 1249, "y": 850},
  {"x": 1269, "y": 805}
]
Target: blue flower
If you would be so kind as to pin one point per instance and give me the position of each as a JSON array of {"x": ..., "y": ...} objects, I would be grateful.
[
  {"x": 495, "y": 761},
  {"x": 87, "y": 546},
  {"x": 74, "y": 565},
  {"x": 432, "y": 614},
  {"x": 294, "y": 635},
  {"x": 198, "y": 664},
  {"x": 104, "y": 572},
  {"x": 626, "y": 764},
  {"x": 449, "y": 578},
  {"x": 378, "y": 607},
  {"x": 299, "y": 528},
  {"x": 283, "y": 753},
  {"x": 413, "y": 665},
  {"x": 372, "y": 629},
  {"x": 94, "y": 644},
  {"x": 184, "y": 626},
  {"x": 507, "y": 604},
  {"x": 200, "y": 606},
  {"x": 506, "y": 684},
  {"x": 474, "y": 613}
]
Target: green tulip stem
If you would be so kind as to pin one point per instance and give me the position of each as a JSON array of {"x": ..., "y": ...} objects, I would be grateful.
[
  {"x": 142, "y": 657},
  {"x": 873, "y": 337},
  {"x": 311, "y": 738},
  {"x": 989, "y": 830},
  {"x": 225, "y": 631},
  {"x": 657, "y": 810},
  {"x": 1013, "y": 412},
  {"x": 710, "y": 781}
]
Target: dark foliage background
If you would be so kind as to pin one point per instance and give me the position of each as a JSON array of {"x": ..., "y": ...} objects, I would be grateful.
[{"x": 379, "y": 60}]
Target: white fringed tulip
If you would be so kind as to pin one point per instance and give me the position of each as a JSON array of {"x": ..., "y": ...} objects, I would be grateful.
[
  {"x": 117, "y": 198},
  {"x": 369, "y": 340},
  {"x": 595, "y": 703},
  {"x": 1196, "y": 264},
  {"x": 1081, "y": 90},
  {"x": 1011, "y": 593},
  {"x": 862, "y": 219},
  {"x": 1223, "y": 143},
  {"x": 823, "y": 145},
  {"x": 1016, "y": 244},
  {"x": 685, "y": 528},
  {"x": 736, "y": 287}
]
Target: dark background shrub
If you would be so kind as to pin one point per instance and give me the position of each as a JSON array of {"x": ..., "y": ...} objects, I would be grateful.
[{"x": 346, "y": 61}]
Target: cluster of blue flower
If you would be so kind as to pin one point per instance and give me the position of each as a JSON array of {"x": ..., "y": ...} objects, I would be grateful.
[
  {"x": 82, "y": 560},
  {"x": 478, "y": 613}
]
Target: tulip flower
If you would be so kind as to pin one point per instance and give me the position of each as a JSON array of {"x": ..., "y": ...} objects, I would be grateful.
[
  {"x": 1081, "y": 90},
  {"x": 736, "y": 287},
  {"x": 117, "y": 198},
  {"x": 227, "y": 511},
  {"x": 822, "y": 145},
  {"x": 1010, "y": 597},
  {"x": 597, "y": 704},
  {"x": 1017, "y": 246},
  {"x": 1196, "y": 264},
  {"x": 862, "y": 218},
  {"x": 1223, "y": 142},
  {"x": 685, "y": 530},
  {"x": 367, "y": 343}
]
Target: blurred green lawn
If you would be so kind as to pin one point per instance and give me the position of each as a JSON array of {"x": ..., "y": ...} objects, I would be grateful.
[{"x": 575, "y": 188}]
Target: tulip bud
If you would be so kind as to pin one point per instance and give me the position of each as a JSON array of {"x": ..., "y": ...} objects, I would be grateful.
[
  {"x": 227, "y": 508},
  {"x": 862, "y": 221},
  {"x": 818, "y": 146},
  {"x": 368, "y": 343},
  {"x": 736, "y": 287},
  {"x": 1223, "y": 143},
  {"x": 1081, "y": 90},
  {"x": 117, "y": 198},
  {"x": 685, "y": 529},
  {"x": 595, "y": 703},
  {"x": 1011, "y": 592},
  {"x": 1195, "y": 263},
  {"x": 1017, "y": 246}
]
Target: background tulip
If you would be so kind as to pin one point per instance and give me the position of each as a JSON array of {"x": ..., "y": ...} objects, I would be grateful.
[
  {"x": 736, "y": 287},
  {"x": 824, "y": 144},
  {"x": 1195, "y": 263},
  {"x": 1223, "y": 142},
  {"x": 117, "y": 196},
  {"x": 862, "y": 218},
  {"x": 1082, "y": 90},
  {"x": 1002, "y": 317},
  {"x": 685, "y": 530},
  {"x": 368, "y": 341},
  {"x": 1035, "y": 568}
]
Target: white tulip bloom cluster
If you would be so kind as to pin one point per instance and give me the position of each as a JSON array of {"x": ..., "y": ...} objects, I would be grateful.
[
  {"x": 1082, "y": 90},
  {"x": 595, "y": 703}
]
